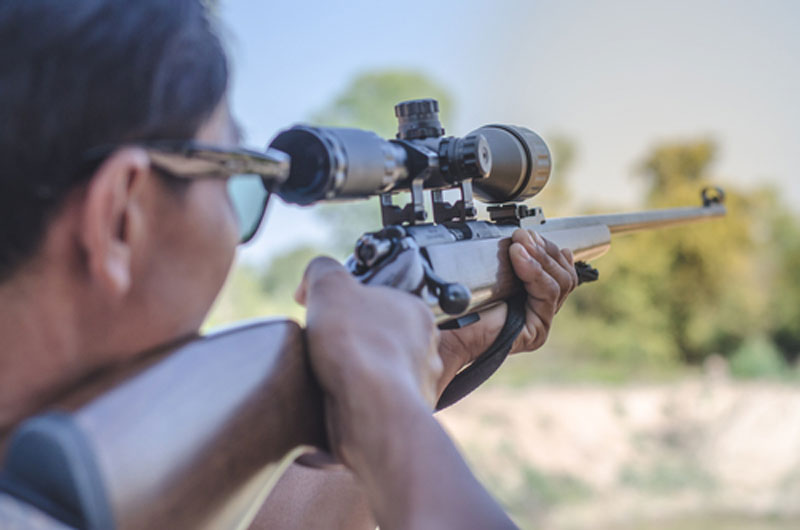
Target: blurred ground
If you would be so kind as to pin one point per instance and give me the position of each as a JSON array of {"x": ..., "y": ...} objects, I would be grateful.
[{"x": 705, "y": 452}]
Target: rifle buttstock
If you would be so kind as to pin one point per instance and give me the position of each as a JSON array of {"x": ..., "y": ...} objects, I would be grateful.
[{"x": 192, "y": 440}]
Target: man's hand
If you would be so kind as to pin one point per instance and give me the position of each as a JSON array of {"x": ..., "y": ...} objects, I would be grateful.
[
  {"x": 374, "y": 351},
  {"x": 548, "y": 274}
]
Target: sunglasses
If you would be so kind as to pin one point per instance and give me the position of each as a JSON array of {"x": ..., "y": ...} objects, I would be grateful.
[{"x": 250, "y": 175}]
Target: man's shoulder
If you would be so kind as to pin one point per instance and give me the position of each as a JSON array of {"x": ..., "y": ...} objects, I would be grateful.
[{"x": 17, "y": 514}]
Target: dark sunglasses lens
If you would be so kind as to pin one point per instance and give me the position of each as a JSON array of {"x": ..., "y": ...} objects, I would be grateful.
[{"x": 249, "y": 198}]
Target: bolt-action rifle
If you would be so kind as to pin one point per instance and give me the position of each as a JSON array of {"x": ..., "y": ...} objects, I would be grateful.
[{"x": 191, "y": 436}]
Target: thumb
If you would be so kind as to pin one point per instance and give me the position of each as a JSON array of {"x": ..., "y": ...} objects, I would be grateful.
[{"x": 319, "y": 269}]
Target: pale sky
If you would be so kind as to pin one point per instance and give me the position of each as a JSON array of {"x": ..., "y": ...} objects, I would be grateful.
[{"x": 614, "y": 76}]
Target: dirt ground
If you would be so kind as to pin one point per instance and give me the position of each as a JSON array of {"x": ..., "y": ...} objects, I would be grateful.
[{"x": 609, "y": 457}]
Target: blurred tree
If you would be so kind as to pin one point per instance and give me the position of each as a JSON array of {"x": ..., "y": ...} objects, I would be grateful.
[
  {"x": 676, "y": 165},
  {"x": 243, "y": 297},
  {"x": 680, "y": 293},
  {"x": 783, "y": 313}
]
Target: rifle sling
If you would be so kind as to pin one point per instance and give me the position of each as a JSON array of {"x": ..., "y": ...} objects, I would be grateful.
[{"x": 489, "y": 361}]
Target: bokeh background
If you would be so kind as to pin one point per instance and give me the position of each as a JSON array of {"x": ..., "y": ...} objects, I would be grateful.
[{"x": 667, "y": 396}]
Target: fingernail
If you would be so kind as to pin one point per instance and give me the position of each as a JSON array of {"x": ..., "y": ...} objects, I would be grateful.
[{"x": 539, "y": 239}]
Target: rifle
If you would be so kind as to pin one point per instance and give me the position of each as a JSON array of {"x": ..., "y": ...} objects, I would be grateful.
[{"x": 194, "y": 435}]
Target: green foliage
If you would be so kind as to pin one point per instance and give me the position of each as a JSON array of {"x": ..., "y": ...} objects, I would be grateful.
[
  {"x": 783, "y": 312},
  {"x": 757, "y": 357},
  {"x": 551, "y": 489},
  {"x": 681, "y": 293},
  {"x": 668, "y": 477},
  {"x": 677, "y": 164},
  {"x": 280, "y": 279},
  {"x": 243, "y": 297}
]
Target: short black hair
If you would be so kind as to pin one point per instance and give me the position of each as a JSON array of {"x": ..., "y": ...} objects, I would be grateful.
[{"x": 75, "y": 74}]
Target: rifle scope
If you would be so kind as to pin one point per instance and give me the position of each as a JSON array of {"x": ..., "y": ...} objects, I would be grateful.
[{"x": 505, "y": 162}]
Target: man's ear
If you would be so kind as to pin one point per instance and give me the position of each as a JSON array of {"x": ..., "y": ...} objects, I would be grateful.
[{"x": 113, "y": 218}]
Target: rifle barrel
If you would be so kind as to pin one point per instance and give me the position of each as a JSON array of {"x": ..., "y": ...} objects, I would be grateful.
[{"x": 632, "y": 222}]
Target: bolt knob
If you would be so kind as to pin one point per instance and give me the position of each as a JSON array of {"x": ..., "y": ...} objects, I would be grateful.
[{"x": 454, "y": 298}]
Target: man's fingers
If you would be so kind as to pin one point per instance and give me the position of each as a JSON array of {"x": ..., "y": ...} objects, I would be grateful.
[
  {"x": 567, "y": 280},
  {"x": 567, "y": 253},
  {"x": 557, "y": 262},
  {"x": 543, "y": 293},
  {"x": 564, "y": 258},
  {"x": 553, "y": 251},
  {"x": 320, "y": 269},
  {"x": 550, "y": 258},
  {"x": 539, "y": 284},
  {"x": 537, "y": 328},
  {"x": 543, "y": 290}
]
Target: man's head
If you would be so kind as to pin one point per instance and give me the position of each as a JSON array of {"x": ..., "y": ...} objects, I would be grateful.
[{"x": 132, "y": 257}]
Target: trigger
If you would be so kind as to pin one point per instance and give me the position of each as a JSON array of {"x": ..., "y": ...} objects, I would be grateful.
[{"x": 460, "y": 322}]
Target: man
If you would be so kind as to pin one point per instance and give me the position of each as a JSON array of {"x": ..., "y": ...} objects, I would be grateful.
[{"x": 107, "y": 251}]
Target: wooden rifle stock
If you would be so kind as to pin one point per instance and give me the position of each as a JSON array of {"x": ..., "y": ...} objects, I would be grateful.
[{"x": 193, "y": 439}]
